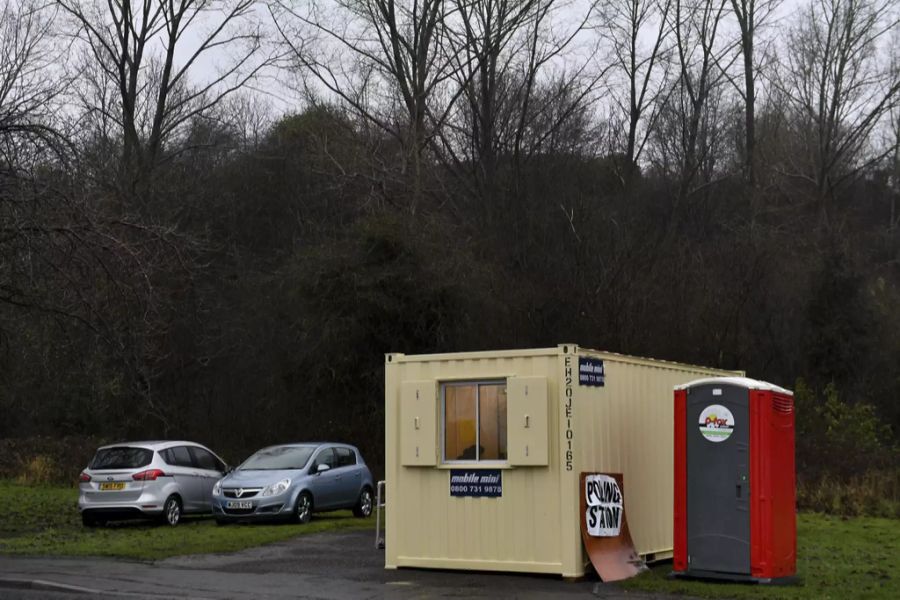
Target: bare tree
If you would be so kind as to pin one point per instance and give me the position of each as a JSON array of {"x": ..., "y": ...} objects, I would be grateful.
[
  {"x": 751, "y": 15},
  {"x": 251, "y": 116},
  {"x": 638, "y": 32},
  {"x": 894, "y": 166},
  {"x": 444, "y": 75},
  {"x": 507, "y": 68},
  {"x": 704, "y": 57},
  {"x": 374, "y": 54},
  {"x": 491, "y": 40},
  {"x": 31, "y": 82},
  {"x": 841, "y": 87},
  {"x": 142, "y": 55},
  {"x": 29, "y": 137}
]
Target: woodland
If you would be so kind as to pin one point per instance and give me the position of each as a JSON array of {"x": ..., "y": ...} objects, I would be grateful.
[{"x": 217, "y": 216}]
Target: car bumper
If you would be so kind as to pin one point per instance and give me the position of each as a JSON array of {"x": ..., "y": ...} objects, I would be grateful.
[
  {"x": 144, "y": 502},
  {"x": 275, "y": 507}
]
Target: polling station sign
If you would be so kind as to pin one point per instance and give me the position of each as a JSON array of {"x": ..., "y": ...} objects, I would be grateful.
[
  {"x": 603, "y": 498},
  {"x": 604, "y": 527}
]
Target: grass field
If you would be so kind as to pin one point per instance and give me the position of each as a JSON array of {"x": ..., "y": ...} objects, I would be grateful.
[
  {"x": 841, "y": 559},
  {"x": 43, "y": 521}
]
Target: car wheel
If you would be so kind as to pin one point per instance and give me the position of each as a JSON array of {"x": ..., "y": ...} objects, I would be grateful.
[
  {"x": 364, "y": 505},
  {"x": 171, "y": 514},
  {"x": 223, "y": 522},
  {"x": 304, "y": 508},
  {"x": 88, "y": 521}
]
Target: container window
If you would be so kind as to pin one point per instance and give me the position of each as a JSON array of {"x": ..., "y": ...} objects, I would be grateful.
[
  {"x": 492, "y": 421},
  {"x": 474, "y": 421}
]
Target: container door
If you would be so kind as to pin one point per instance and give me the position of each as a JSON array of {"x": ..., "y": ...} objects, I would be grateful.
[{"x": 718, "y": 486}]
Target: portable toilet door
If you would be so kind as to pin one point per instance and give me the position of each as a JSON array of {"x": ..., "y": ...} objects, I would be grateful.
[{"x": 734, "y": 480}]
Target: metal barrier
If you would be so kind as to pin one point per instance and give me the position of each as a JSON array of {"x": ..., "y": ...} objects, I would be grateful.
[{"x": 379, "y": 504}]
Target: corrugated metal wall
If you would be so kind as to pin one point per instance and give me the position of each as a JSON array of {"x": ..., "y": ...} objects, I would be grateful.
[
  {"x": 427, "y": 527},
  {"x": 625, "y": 426}
]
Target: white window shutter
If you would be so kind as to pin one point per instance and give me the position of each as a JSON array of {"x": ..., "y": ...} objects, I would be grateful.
[{"x": 527, "y": 421}]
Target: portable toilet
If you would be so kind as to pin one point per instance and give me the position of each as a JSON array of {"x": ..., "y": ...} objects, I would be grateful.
[
  {"x": 735, "y": 514},
  {"x": 484, "y": 451}
]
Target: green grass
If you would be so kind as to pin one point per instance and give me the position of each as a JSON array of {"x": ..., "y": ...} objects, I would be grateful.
[
  {"x": 44, "y": 521},
  {"x": 840, "y": 559}
]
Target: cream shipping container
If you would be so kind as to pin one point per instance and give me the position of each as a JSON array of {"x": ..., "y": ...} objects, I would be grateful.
[{"x": 484, "y": 451}]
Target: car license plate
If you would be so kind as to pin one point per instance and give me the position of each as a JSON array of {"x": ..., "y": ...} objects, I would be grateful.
[
  {"x": 115, "y": 485},
  {"x": 238, "y": 504}
]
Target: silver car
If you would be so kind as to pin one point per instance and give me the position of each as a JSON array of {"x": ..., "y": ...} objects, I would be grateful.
[
  {"x": 148, "y": 479},
  {"x": 289, "y": 482}
]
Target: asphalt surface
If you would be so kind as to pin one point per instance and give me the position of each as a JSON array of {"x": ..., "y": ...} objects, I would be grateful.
[{"x": 328, "y": 566}]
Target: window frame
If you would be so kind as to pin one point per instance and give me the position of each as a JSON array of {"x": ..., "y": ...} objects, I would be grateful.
[
  {"x": 196, "y": 457},
  {"x": 315, "y": 461},
  {"x": 504, "y": 381},
  {"x": 169, "y": 454},
  {"x": 350, "y": 453}
]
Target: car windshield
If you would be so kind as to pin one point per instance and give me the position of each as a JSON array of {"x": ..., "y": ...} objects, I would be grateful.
[
  {"x": 122, "y": 457},
  {"x": 279, "y": 457}
]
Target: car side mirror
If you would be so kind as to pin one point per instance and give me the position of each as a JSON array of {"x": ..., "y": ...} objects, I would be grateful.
[{"x": 322, "y": 468}]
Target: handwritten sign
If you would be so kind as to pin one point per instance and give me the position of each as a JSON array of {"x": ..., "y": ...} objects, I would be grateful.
[{"x": 604, "y": 506}]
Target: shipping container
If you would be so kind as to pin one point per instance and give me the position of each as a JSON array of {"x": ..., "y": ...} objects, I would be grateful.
[{"x": 484, "y": 451}]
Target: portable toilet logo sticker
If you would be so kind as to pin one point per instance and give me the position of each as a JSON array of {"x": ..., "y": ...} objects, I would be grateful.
[{"x": 716, "y": 423}]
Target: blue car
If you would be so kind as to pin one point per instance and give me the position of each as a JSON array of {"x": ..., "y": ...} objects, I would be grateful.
[{"x": 292, "y": 481}]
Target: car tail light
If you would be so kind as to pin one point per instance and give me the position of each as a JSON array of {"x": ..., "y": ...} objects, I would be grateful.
[
  {"x": 149, "y": 475},
  {"x": 84, "y": 477}
]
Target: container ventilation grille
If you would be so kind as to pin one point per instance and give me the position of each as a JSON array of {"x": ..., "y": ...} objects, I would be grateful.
[{"x": 783, "y": 405}]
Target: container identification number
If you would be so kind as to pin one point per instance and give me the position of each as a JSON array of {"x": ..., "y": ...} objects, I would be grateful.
[{"x": 570, "y": 434}]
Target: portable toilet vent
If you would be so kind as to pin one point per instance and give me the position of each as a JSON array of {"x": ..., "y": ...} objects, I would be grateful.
[{"x": 734, "y": 480}]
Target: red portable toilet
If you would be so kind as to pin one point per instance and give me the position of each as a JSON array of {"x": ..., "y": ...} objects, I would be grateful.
[{"x": 735, "y": 514}]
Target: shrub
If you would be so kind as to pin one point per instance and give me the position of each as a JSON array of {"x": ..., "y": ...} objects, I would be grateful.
[
  {"x": 836, "y": 437},
  {"x": 846, "y": 464},
  {"x": 875, "y": 494},
  {"x": 43, "y": 459},
  {"x": 39, "y": 469}
]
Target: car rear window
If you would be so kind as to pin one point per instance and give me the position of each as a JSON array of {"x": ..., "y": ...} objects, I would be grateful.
[{"x": 121, "y": 457}]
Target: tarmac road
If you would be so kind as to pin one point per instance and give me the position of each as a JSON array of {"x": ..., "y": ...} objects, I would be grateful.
[{"x": 328, "y": 566}]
